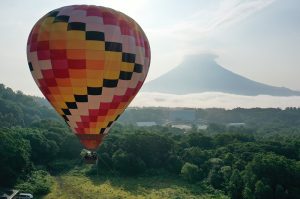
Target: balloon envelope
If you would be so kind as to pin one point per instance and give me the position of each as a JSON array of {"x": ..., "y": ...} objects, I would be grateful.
[{"x": 89, "y": 62}]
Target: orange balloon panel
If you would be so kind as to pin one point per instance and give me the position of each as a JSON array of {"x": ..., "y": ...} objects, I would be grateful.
[{"x": 89, "y": 62}]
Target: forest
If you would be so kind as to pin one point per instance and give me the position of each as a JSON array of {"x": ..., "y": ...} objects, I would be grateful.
[{"x": 257, "y": 161}]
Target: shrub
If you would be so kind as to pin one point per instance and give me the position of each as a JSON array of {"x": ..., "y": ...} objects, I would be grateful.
[
  {"x": 39, "y": 183},
  {"x": 190, "y": 172}
]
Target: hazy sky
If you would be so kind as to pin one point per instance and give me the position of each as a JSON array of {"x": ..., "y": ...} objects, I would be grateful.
[{"x": 259, "y": 39}]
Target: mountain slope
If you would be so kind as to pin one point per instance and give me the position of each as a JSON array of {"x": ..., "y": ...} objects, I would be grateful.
[{"x": 200, "y": 73}]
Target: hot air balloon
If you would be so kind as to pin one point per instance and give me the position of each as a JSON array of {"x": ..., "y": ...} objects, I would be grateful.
[{"x": 89, "y": 62}]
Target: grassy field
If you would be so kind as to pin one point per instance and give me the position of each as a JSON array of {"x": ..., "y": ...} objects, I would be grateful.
[{"x": 78, "y": 186}]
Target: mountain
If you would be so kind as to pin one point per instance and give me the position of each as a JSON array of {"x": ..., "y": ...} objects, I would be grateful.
[{"x": 200, "y": 73}]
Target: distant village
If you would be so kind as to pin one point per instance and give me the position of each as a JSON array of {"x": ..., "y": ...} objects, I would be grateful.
[{"x": 185, "y": 119}]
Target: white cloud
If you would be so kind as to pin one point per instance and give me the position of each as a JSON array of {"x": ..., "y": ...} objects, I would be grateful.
[
  {"x": 213, "y": 99},
  {"x": 200, "y": 23},
  {"x": 233, "y": 11}
]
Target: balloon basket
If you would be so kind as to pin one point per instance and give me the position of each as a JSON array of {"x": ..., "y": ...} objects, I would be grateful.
[
  {"x": 90, "y": 157},
  {"x": 90, "y": 161}
]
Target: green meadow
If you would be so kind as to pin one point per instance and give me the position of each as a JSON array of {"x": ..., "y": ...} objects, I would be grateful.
[{"x": 75, "y": 184}]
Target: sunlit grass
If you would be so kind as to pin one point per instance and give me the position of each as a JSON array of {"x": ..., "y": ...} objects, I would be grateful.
[{"x": 76, "y": 185}]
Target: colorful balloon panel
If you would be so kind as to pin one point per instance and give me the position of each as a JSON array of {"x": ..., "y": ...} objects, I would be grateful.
[{"x": 89, "y": 62}]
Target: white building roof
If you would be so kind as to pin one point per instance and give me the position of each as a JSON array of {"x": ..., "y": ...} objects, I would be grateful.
[{"x": 146, "y": 124}]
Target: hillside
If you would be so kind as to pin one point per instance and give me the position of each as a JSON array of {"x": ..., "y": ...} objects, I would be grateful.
[
  {"x": 17, "y": 109},
  {"x": 200, "y": 73}
]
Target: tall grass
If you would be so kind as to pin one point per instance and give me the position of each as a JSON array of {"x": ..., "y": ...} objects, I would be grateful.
[{"x": 76, "y": 185}]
